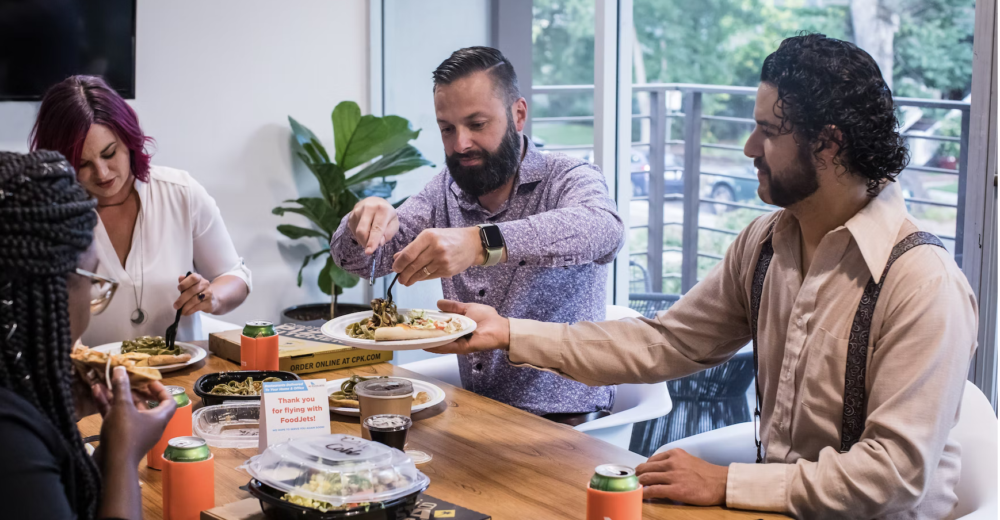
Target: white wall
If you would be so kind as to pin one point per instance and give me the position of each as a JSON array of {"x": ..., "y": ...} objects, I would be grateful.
[
  {"x": 418, "y": 36},
  {"x": 215, "y": 82}
]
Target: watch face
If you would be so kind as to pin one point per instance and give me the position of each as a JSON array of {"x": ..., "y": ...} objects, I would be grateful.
[{"x": 493, "y": 236}]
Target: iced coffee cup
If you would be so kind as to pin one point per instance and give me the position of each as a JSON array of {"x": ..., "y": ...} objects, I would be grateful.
[{"x": 383, "y": 396}]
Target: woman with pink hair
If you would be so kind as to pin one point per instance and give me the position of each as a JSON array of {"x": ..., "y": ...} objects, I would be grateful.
[{"x": 155, "y": 223}]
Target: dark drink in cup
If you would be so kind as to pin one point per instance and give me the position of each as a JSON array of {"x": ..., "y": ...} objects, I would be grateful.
[
  {"x": 383, "y": 396},
  {"x": 389, "y": 429}
]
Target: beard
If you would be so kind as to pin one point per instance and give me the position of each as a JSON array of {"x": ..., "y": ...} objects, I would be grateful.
[
  {"x": 792, "y": 184},
  {"x": 495, "y": 168}
]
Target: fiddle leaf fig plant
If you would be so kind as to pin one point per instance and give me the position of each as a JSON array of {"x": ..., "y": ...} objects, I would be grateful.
[{"x": 367, "y": 148}]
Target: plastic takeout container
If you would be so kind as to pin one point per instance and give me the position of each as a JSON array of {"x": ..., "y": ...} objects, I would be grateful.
[
  {"x": 229, "y": 425},
  {"x": 204, "y": 385},
  {"x": 338, "y": 470}
]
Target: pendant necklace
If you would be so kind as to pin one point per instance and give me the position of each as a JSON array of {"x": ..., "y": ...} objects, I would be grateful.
[{"x": 139, "y": 315}]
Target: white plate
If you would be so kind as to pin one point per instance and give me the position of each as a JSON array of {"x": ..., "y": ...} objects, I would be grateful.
[
  {"x": 197, "y": 354},
  {"x": 337, "y": 329},
  {"x": 437, "y": 395}
]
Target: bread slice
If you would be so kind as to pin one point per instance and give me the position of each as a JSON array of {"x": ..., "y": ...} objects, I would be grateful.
[
  {"x": 404, "y": 332},
  {"x": 87, "y": 360}
]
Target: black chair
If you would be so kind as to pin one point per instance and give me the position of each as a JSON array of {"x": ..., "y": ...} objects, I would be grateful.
[
  {"x": 710, "y": 399},
  {"x": 638, "y": 279},
  {"x": 648, "y": 304},
  {"x": 704, "y": 401}
]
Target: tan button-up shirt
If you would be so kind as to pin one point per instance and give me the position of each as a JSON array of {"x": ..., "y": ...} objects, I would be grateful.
[{"x": 922, "y": 338}]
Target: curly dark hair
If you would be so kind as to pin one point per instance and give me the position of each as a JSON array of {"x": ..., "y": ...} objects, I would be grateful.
[{"x": 824, "y": 81}]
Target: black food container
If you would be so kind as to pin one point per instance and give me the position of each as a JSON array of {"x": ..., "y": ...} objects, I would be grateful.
[
  {"x": 207, "y": 382},
  {"x": 277, "y": 509}
]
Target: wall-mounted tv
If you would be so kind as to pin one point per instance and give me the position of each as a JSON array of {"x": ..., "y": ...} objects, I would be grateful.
[{"x": 43, "y": 42}]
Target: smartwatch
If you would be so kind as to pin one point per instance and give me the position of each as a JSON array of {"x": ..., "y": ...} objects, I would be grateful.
[{"x": 492, "y": 243}]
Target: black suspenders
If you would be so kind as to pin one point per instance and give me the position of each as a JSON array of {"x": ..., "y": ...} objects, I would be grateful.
[{"x": 853, "y": 421}]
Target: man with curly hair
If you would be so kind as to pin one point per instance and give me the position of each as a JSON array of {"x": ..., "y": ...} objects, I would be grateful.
[{"x": 863, "y": 326}]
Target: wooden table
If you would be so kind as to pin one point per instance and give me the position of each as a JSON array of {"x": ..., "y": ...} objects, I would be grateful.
[{"x": 488, "y": 456}]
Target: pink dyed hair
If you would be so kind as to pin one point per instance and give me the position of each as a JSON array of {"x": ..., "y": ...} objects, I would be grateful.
[{"x": 71, "y": 106}]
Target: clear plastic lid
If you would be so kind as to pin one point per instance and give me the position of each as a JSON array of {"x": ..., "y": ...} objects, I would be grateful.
[
  {"x": 337, "y": 469},
  {"x": 232, "y": 424},
  {"x": 383, "y": 388}
]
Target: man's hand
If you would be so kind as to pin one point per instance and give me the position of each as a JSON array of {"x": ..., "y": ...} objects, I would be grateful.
[
  {"x": 373, "y": 222},
  {"x": 439, "y": 253},
  {"x": 492, "y": 330},
  {"x": 678, "y": 475}
]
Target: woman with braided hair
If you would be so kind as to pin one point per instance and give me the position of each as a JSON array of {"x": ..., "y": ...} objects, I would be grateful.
[
  {"x": 154, "y": 223},
  {"x": 47, "y": 293}
]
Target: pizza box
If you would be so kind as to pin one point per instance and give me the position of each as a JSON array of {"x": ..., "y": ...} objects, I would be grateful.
[{"x": 301, "y": 349}]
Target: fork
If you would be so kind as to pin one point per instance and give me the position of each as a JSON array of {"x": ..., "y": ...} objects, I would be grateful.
[
  {"x": 388, "y": 291},
  {"x": 376, "y": 256},
  {"x": 172, "y": 330}
]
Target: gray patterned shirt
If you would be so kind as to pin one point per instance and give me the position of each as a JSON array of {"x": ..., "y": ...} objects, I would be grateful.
[{"x": 561, "y": 230}]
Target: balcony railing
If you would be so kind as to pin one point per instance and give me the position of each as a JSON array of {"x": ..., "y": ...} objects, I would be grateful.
[{"x": 692, "y": 114}]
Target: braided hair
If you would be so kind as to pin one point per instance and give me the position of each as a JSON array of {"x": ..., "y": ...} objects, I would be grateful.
[{"x": 46, "y": 222}]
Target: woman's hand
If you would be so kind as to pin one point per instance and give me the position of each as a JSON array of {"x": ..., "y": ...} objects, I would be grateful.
[
  {"x": 196, "y": 295},
  {"x": 130, "y": 429}
]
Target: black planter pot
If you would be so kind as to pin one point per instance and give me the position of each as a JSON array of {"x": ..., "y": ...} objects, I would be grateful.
[{"x": 316, "y": 314}]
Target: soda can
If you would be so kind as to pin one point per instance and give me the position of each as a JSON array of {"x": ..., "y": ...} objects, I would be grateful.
[
  {"x": 614, "y": 492},
  {"x": 259, "y": 329},
  {"x": 180, "y": 397},
  {"x": 187, "y": 449},
  {"x": 614, "y": 478},
  {"x": 188, "y": 478},
  {"x": 179, "y": 426}
]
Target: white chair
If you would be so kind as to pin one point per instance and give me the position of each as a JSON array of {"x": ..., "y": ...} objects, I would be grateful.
[
  {"x": 633, "y": 403},
  {"x": 441, "y": 367},
  {"x": 976, "y": 432},
  {"x": 723, "y": 446},
  {"x": 211, "y": 324}
]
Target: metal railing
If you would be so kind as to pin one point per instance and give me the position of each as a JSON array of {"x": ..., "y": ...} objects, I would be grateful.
[{"x": 692, "y": 113}]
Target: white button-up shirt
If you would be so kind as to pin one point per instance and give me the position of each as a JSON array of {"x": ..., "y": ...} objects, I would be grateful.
[{"x": 179, "y": 229}]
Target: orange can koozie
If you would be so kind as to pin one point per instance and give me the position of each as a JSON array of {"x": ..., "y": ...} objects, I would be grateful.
[
  {"x": 259, "y": 346},
  {"x": 248, "y": 353},
  {"x": 614, "y": 493},
  {"x": 188, "y": 479},
  {"x": 179, "y": 426}
]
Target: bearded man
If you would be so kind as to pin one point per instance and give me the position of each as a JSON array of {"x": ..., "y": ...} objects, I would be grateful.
[{"x": 504, "y": 225}]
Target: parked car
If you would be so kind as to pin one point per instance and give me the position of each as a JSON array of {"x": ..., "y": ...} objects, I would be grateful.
[{"x": 716, "y": 187}]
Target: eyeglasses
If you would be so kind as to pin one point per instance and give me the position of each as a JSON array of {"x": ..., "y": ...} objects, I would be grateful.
[{"x": 101, "y": 291}]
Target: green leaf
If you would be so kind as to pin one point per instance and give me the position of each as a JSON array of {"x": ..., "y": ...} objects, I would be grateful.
[
  {"x": 332, "y": 274},
  {"x": 296, "y": 232},
  {"x": 399, "y": 133},
  {"x": 325, "y": 281},
  {"x": 315, "y": 209},
  {"x": 375, "y": 136},
  {"x": 343, "y": 278},
  {"x": 347, "y": 200},
  {"x": 307, "y": 260},
  {"x": 303, "y": 136},
  {"x": 399, "y": 203},
  {"x": 401, "y": 161},
  {"x": 345, "y": 118},
  {"x": 330, "y": 177}
]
